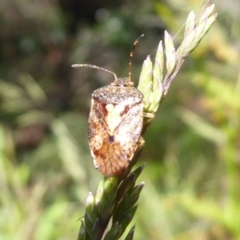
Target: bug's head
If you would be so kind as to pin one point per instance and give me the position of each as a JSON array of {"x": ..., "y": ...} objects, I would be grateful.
[{"x": 124, "y": 82}]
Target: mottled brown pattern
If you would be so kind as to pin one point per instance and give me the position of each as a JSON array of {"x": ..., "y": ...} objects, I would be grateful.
[{"x": 114, "y": 126}]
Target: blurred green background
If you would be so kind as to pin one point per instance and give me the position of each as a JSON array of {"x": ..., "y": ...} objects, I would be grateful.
[{"x": 192, "y": 148}]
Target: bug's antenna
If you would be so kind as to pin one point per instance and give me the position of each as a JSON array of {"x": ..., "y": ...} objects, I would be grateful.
[
  {"x": 131, "y": 57},
  {"x": 94, "y": 66}
]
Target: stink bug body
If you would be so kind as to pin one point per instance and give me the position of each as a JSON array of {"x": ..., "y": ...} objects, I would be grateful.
[{"x": 115, "y": 123}]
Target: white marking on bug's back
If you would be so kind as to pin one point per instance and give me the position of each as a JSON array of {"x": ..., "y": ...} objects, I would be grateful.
[{"x": 113, "y": 118}]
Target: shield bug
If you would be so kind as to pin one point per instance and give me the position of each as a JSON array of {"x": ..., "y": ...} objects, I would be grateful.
[{"x": 115, "y": 122}]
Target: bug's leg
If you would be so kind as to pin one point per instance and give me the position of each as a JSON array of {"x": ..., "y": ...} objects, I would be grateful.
[
  {"x": 147, "y": 119},
  {"x": 149, "y": 115},
  {"x": 141, "y": 143}
]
